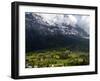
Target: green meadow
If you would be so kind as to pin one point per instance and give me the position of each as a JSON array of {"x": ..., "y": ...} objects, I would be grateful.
[{"x": 56, "y": 57}]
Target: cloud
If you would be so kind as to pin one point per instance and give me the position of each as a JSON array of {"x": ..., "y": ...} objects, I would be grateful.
[
  {"x": 84, "y": 23},
  {"x": 60, "y": 19},
  {"x": 72, "y": 20}
]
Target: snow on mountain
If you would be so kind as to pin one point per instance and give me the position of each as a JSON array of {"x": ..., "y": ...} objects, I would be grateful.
[
  {"x": 62, "y": 23},
  {"x": 57, "y": 19}
]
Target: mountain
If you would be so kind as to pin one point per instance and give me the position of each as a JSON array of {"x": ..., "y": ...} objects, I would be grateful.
[{"x": 42, "y": 33}]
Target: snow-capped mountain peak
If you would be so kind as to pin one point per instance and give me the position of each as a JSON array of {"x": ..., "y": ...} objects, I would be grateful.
[{"x": 59, "y": 23}]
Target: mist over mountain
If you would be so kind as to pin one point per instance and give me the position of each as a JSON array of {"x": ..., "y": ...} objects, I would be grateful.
[{"x": 56, "y": 30}]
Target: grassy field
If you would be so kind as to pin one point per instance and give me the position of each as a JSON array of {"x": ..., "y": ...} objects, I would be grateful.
[{"x": 57, "y": 57}]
